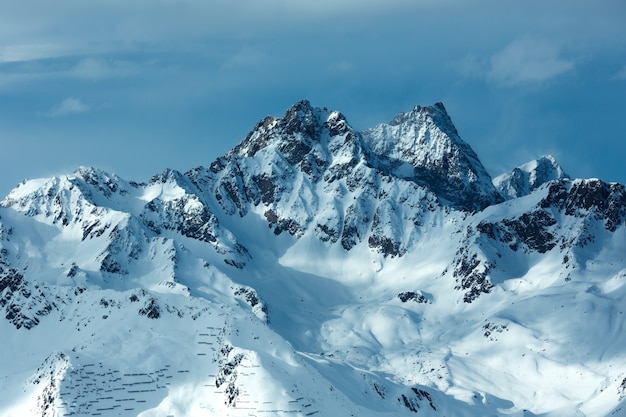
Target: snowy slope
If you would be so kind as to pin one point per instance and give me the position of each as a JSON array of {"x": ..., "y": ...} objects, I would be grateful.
[{"x": 317, "y": 270}]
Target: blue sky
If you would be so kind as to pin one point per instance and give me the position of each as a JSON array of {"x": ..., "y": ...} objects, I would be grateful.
[{"x": 137, "y": 87}]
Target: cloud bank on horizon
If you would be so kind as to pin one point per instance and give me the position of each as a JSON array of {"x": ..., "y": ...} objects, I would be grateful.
[{"x": 181, "y": 82}]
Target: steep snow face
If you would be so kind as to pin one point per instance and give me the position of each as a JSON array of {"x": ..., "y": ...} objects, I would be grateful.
[
  {"x": 528, "y": 177},
  {"x": 424, "y": 146},
  {"x": 315, "y": 270}
]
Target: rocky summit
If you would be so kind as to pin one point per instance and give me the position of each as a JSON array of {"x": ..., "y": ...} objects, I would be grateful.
[{"x": 317, "y": 270}]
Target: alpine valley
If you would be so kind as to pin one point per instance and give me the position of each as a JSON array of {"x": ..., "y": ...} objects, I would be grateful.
[{"x": 316, "y": 270}]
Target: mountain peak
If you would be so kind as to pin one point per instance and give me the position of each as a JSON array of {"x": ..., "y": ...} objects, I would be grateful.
[
  {"x": 423, "y": 145},
  {"x": 437, "y": 112},
  {"x": 301, "y": 109},
  {"x": 524, "y": 179},
  {"x": 301, "y": 125},
  {"x": 300, "y": 136},
  {"x": 304, "y": 119}
]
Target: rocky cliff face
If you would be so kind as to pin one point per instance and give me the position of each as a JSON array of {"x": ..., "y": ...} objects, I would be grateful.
[{"x": 316, "y": 269}]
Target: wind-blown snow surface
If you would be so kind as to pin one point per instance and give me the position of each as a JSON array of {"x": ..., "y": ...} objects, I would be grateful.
[{"x": 316, "y": 270}]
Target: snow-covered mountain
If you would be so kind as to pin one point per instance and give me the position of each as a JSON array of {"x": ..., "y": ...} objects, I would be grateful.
[
  {"x": 528, "y": 177},
  {"x": 317, "y": 270}
]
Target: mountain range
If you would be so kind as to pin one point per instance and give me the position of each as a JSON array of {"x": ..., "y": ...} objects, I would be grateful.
[{"x": 317, "y": 270}]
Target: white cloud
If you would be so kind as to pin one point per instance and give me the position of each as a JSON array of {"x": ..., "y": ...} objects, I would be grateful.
[
  {"x": 527, "y": 61},
  {"x": 69, "y": 106}
]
